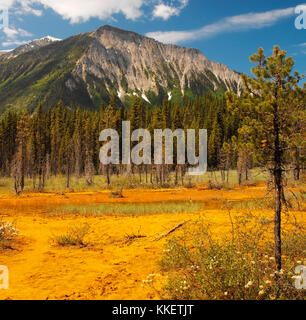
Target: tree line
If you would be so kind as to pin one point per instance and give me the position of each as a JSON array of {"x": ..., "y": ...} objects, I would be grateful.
[{"x": 64, "y": 141}]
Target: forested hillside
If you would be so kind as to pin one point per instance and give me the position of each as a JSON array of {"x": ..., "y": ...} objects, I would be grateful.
[{"x": 66, "y": 141}]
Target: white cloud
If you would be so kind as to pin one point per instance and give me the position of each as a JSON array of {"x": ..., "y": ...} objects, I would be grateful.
[
  {"x": 20, "y": 6},
  {"x": 165, "y": 11},
  {"x": 25, "y": 7},
  {"x": 14, "y": 36},
  {"x": 230, "y": 24},
  {"x": 6, "y": 3},
  {"x": 82, "y": 10},
  {"x": 79, "y": 10},
  {"x": 14, "y": 43},
  {"x": 12, "y": 33},
  {"x": 72, "y": 10},
  {"x": 302, "y": 48}
]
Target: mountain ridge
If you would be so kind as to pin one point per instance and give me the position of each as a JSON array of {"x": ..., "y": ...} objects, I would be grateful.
[
  {"x": 86, "y": 69},
  {"x": 29, "y": 46}
]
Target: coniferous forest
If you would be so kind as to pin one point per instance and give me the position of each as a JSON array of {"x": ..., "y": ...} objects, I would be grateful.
[{"x": 65, "y": 141}]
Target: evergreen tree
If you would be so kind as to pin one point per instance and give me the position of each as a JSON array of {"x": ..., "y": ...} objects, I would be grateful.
[
  {"x": 19, "y": 167},
  {"x": 77, "y": 142},
  {"x": 271, "y": 104},
  {"x": 38, "y": 146}
]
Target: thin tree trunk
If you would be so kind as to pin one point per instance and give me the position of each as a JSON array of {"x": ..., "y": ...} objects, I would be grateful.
[
  {"x": 34, "y": 181},
  {"x": 68, "y": 177},
  {"x": 40, "y": 183},
  {"x": 23, "y": 150},
  {"x": 151, "y": 174},
  {"x": 182, "y": 176},
  {"x": 139, "y": 172},
  {"x": 239, "y": 177},
  {"x": 16, "y": 186},
  {"x": 108, "y": 174},
  {"x": 296, "y": 165},
  {"x": 223, "y": 175},
  {"x": 278, "y": 177},
  {"x": 277, "y": 222}
]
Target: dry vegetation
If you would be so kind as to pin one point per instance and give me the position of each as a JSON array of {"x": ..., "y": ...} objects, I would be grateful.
[
  {"x": 211, "y": 243},
  {"x": 236, "y": 267},
  {"x": 8, "y": 232}
]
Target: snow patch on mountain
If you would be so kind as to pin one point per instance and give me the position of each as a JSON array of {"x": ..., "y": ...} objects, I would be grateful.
[
  {"x": 50, "y": 38},
  {"x": 169, "y": 96},
  {"x": 144, "y": 97}
]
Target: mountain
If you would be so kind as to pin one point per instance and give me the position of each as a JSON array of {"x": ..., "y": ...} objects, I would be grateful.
[
  {"x": 88, "y": 68},
  {"x": 3, "y": 52},
  {"x": 35, "y": 44}
]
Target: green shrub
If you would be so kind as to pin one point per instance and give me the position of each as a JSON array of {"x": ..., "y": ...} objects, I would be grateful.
[
  {"x": 73, "y": 237},
  {"x": 8, "y": 230},
  {"x": 238, "y": 268}
]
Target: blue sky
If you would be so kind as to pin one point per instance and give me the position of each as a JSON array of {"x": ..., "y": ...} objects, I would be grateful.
[{"x": 225, "y": 31}]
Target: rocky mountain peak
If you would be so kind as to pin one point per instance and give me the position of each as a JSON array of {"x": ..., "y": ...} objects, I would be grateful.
[
  {"x": 30, "y": 46},
  {"x": 86, "y": 69},
  {"x": 131, "y": 63}
]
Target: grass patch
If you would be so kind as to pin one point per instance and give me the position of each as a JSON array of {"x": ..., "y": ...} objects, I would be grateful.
[
  {"x": 294, "y": 201},
  {"x": 58, "y": 183},
  {"x": 74, "y": 237},
  {"x": 253, "y": 204},
  {"x": 131, "y": 209}
]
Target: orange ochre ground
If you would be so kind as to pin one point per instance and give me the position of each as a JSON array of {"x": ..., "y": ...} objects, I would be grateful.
[{"x": 109, "y": 267}]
